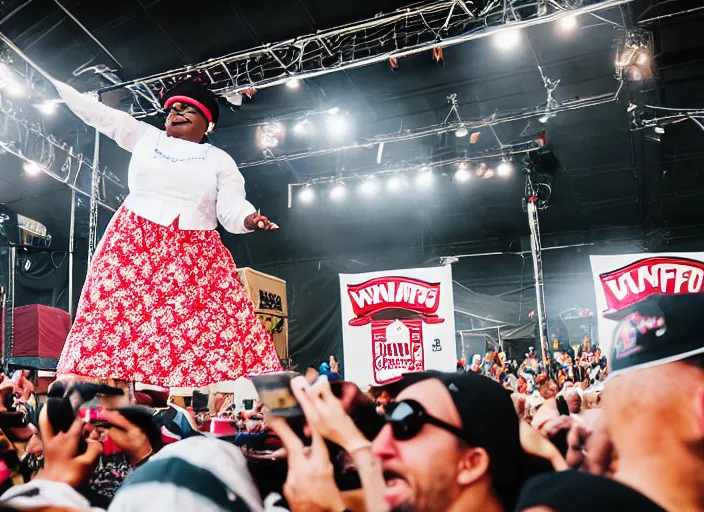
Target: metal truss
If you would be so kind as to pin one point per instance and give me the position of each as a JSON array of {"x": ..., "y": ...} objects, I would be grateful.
[
  {"x": 404, "y": 32},
  {"x": 494, "y": 120},
  {"x": 55, "y": 158}
]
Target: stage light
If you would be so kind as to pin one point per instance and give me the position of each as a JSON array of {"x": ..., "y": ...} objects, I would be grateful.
[
  {"x": 333, "y": 111},
  {"x": 10, "y": 83},
  {"x": 642, "y": 58},
  {"x": 425, "y": 178},
  {"x": 368, "y": 187},
  {"x": 302, "y": 127},
  {"x": 506, "y": 40},
  {"x": 659, "y": 130},
  {"x": 504, "y": 169},
  {"x": 462, "y": 175},
  {"x": 269, "y": 135},
  {"x": 394, "y": 184},
  {"x": 337, "y": 125},
  {"x": 568, "y": 24},
  {"x": 48, "y": 107},
  {"x": 32, "y": 168},
  {"x": 293, "y": 83},
  {"x": 307, "y": 195},
  {"x": 338, "y": 192},
  {"x": 461, "y": 132}
]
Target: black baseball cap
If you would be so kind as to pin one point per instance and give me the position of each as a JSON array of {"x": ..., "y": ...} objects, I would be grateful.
[
  {"x": 576, "y": 491},
  {"x": 489, "y": 420},
  {"x": 658, "y": 330}
]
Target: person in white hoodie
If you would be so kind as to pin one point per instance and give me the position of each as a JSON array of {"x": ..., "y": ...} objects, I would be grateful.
[{"x": 162, "y": 304}]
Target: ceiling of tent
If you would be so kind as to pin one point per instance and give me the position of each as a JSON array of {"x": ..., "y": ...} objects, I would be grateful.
[{"x": 609, "y": 178}]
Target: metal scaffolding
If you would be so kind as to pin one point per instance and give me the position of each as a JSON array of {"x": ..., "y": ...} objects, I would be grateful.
[{"x": 404, "y": 32}]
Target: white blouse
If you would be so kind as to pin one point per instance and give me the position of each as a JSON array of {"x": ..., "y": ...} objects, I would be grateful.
[{"x": 169, "y": 178}]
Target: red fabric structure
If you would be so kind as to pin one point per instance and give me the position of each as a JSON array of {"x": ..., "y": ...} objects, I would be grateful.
[{"x": 40, "y": 331}]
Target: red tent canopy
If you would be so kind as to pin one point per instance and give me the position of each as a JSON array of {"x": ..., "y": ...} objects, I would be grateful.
[{"x": 40, "y": 334}]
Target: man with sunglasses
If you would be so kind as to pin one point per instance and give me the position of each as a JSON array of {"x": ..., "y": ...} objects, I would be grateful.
[{"x": 451, "y": 443}]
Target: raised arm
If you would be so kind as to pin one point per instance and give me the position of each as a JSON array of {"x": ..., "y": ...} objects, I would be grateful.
[
  {"x": 232, "y": 204},
  {"x": 119, "y": 126}
]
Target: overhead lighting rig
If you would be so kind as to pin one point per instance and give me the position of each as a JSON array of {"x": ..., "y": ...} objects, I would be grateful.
[
  {"x": 429, "y": 27},
  {"x": 413, "y": 174},
  {"x": 43, "y": 153}
]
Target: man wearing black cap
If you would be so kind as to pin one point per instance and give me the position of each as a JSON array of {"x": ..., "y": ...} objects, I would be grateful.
[
  {"x": 451, "y": 443},
  {"x": 654, "y": 412}
]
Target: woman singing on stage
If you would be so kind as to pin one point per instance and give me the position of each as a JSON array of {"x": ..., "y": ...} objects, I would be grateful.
[{"x": 162, "y": 304}]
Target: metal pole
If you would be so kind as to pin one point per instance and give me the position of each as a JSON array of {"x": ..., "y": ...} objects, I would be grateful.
[
  {"x": 536, "y": 253},
  {"x": 71, "y": 235},
  {"x": 10, "y": 308},
  {"x": 88, "y": 32},
  {"x": 94, "y": 194}
]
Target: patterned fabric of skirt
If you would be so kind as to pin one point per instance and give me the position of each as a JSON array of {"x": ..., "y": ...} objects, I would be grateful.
[{"x": 164, "y": 306}]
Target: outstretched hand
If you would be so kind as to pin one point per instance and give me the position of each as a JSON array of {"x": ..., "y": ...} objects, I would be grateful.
[{"x": 256, "y": 221}]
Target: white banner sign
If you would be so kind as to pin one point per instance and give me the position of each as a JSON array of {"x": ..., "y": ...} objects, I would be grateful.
[
  {"x": 395, "y": 322},
  {"x": 621, "y": 281}
]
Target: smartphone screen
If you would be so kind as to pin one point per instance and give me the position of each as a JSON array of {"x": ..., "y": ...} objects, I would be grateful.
[{"x": 275, "y": 392}]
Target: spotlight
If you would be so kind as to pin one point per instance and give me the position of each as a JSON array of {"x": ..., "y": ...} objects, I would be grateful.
[
  {"x": 394, "y": 184},
  {"x": 307, "y": 194},
  {"x": 504, "y": 169},
  {"x": 568, "y": 24},
  {"x": 269, "y": 135},
  {"x": 32, "y": 168},
  {"x": 659, "y": 130},
  {"x": 47, "y": 108},
  {"x": 10, "y": 83},
  {"x": 506, "y": 40},
  {"x": 642, "y": 58},
  {"x": 293, "y": 83},
  {"x": 15, "y": 90},
  {"x": 338, "y": 192},
  {"x": 337, "y": 125},
  {"x": 302, "y": 127},
  {"x": 425, "y": 178},
  {"x": 461, "y": 132},
  {"x": 368, "y": 187},
  {"x": 333, "y": 111},
  {"x": 462, "y": 175}
]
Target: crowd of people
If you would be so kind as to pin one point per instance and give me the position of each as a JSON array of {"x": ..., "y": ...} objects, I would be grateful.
[{"x": 429, "y": 442}]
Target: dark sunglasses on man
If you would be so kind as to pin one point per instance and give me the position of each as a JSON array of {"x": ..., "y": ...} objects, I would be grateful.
[{"x": 408, "y": 417}]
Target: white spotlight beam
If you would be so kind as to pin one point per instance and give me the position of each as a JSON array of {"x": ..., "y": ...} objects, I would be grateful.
[{"x": 355, "y": 45}]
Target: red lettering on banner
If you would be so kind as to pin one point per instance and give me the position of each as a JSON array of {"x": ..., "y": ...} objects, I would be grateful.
[
  {"x": 397, "y": 345},
  {"x": 651, "y": 276},
  {"x": 393, "y": 293}
]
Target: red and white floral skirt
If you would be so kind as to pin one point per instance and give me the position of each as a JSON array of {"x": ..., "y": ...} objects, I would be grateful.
[{"x": 163, "y": 306}]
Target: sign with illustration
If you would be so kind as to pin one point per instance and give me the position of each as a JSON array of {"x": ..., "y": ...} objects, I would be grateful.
[{"x": 397, "y": 322}]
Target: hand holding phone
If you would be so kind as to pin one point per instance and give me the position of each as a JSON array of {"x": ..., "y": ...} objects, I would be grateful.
[{"x": 275, "y": 392}]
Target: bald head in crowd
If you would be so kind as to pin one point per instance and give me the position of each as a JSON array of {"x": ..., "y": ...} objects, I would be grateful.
[{"x": 655, "y": 418}]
